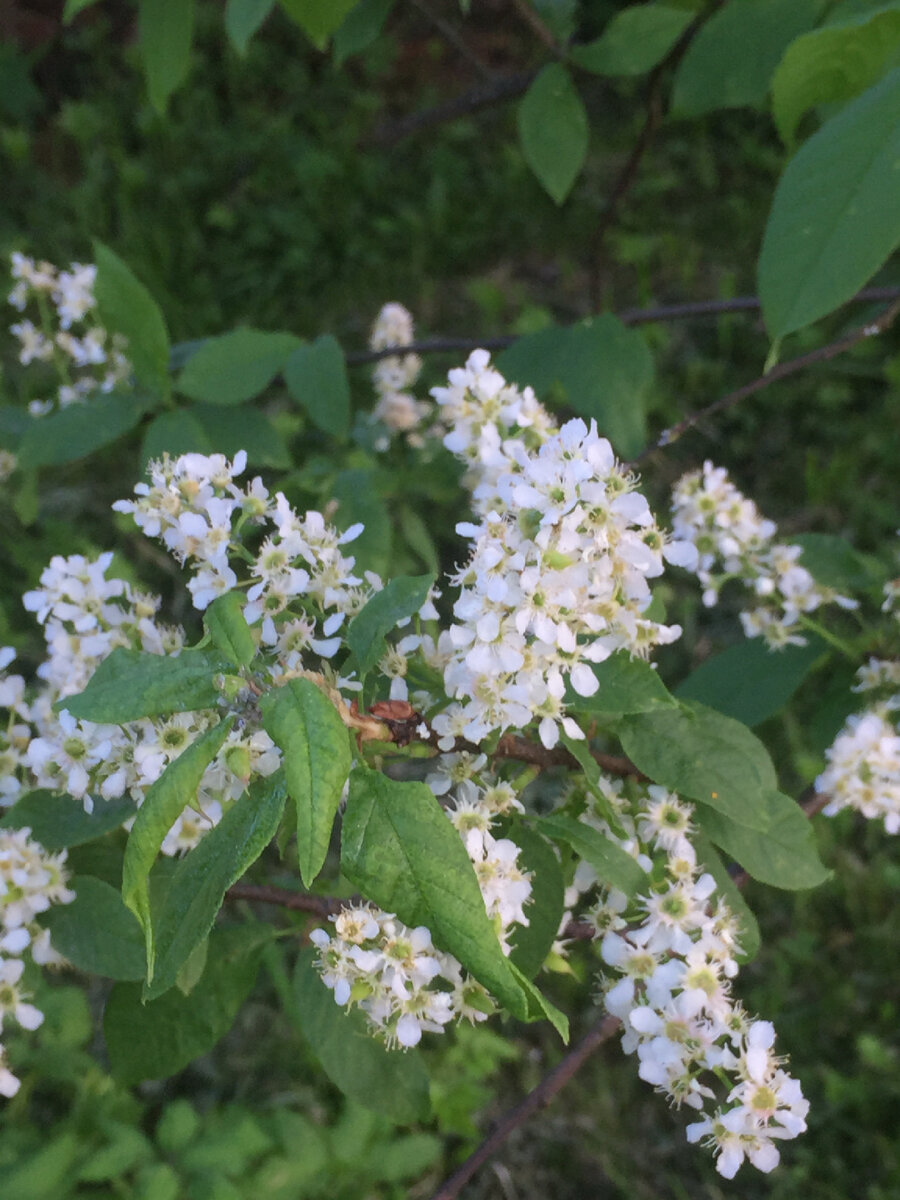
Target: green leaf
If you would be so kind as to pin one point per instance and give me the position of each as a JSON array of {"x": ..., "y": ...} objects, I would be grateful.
[
  {"x": 634, "y": 41},
  {"x": 832, "y": 65},
  {"x": 774, "y": 842},
  {"x": 59, "y": 821},
  {"x": 362, "y": 25},
  {"x": 307, "y": 727},
  {"x": 362, "y": 1067},
  {"x": 231, "y": 635},
  {"x": 155, "y": 1040},
  {"x": 731, "y": 894},
  {"x": 235, "y": 367},
  {"x": 318, "y": 19},
  {"x": 402, "y": 853},
  {"x": 166, "y": 29},
  {"x": 835, "y": 217},
  {"x": 316, "y": 377},
  {"x": 614, "y": 867},
  {"x": 79, "y": 430},
  {"x": 703, "y": 755},
  {"x": 731, "y": 60},
  {"x": 45, "y": 1174},
  {"x": 74, "y": 7},
  {"x": 125, "y": 306},
  {"x": 749, "y": 681},
  {"x": 228, "y": 430},
  {"x": 836, "y": 563},
  {"x": 602, "y": 369},
  {"x": 174, "y": 433},
  {"x": 164, "y": 803},
  {"x": 358, "y": 501},
  {"x": 553, "y": 130},
  {"x": 199, "y": 882},
  {"x": 531, "y": 943},
  {"x": 243, "y": 18},
  {"x": 627, "y": 685},
  {"x": 402, "y": 597},
  {"x": 538, "y": 1006},
  {"x": 131, "y": 684},
  {"x": 126, "y": 1149},
  {"x": 96, "y": 932}
]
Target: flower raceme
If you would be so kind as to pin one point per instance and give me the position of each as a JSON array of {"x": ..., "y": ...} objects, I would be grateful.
[{"x": 561, "y": 553}]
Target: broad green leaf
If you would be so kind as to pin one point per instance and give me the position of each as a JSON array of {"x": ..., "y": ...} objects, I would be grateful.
[
  {"x": 199, "y": 882},
  {"x": 125, "y": 306},
  {"x": 316, "y": 377},
  {"x": 236, "y": 366},
  {"x": 362, "y": 25},
  {"x": 243, "y": 18},
  {"x": 79, "y": 430},
  {"x": 774, "y": 842},
  {"x": 228, "y": 430},
  {"x": 634, "y": 41},
  {"x": 836, "y": 563},
  {"x": 731, "y": 894},
  {"x": 835, "y": 217},
  {"x": 402, "y": 853},
  {"x": 155, "y": 1040},
  {"x": 307, "y": 727},
  {"x": 531, "y": 943},
  {"x": 553, "y": 130},
  {"x": 415, "y": 531},
  {"x": 59, "y": 821},
  {"x": 74, "y": 7},
  {"x": 131, "y": 684},
  {"x": 703, "y": 755},
  {"x": 125, "y": 1149},
  {"x": 174, "y": 432},
  {"x": 96, "y": 932},
  {"x": 600, "y": 368},
  {"x": 231, "y": 635},
  {"x": 357, "y": 1063},
  {"x": 749, "y": 681},
  {"x": 402, "y": 597},
  {"x": 164, "y": 803},
  {"x": 318, "y": 19},
  {"x": 359, "y": 501},
  {"x": 166, "y": 30},
  {"x": 45, "y": 1174},
  {"x": 627, "y": 685},
  {"x": 538, "y": 1006},
  {"x": 731, "y": 60},
  {"x": 831, "y": 65},
  {"x": 614, "y": 867}
]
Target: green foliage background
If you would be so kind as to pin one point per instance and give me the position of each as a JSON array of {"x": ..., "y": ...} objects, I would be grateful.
[{"x": 266, "y": 197}]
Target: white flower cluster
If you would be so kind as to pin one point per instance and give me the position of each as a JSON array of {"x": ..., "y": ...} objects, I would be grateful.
[
  {"x": 397, "y": 409},
  {"x": 83, "y": 355},
  {"x": 557, "y": 579},
  {"x": 734, "y": 541},
  {"x": 85, "y": 617},
  {"x": 31, "y": 880},
  {"x": 671, "y": 955},
  {"x": 863, "y": 770},
  {"x": 393, "y": 973}
]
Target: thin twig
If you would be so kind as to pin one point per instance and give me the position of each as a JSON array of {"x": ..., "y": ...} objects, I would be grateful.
[
  {"x": 541, "y": 30},
  {"x": 782, "y": 371},
  {"x": 539, "y": 1098},
  {"x": 626, "y": 177},
  {"x": 320, "y": 906},
  {"x": 483, "y": 95},
  {"x": 628, "y": 316},
  {"x": 451, "y": 35}
]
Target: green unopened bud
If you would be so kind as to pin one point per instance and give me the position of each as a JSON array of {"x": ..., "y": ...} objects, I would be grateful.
[
  {"x": 556, "y": 560},
  {"x": 360, "y": 991},
  {"x": 529, "y": 521},
  {"x": 230, "y": 686},
  {"x": 237, "y": 759}
]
